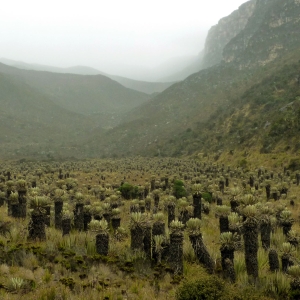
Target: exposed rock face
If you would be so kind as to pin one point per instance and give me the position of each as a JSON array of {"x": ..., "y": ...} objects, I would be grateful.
[
  {"x": 272, "y": 29},
  {"x": 255, "y": 34},
  {"x": 227, "y": 28}
]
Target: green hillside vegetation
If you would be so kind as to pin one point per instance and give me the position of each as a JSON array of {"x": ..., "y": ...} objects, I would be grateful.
[
  {"x": 79, "y": 93},
  {"x": 46, "y": 114},
  {"x": 151, "y": 125},
  {"x": 141, "y": 86},
  {"x": 265, "y": 117},
  {"x": 31, "y": 122},
  {"x": 168, "y": 126}
]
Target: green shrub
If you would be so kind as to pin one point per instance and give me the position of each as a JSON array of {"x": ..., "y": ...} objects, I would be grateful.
[
  {"x": 294, "y": 294},
  {"x": 207, "y": 197},
  {"x": 210, "y": 288},
  {"x": 179, "y": 190},
  {"x": 128, "y": 191},
  {"x": 294, "y": 164},
  {"x": 243, "y": 163}
]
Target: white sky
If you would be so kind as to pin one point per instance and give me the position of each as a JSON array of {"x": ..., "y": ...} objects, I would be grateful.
[{"x": 105, "y": 34}]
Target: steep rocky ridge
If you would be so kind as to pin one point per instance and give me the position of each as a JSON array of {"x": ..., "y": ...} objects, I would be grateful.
[
  {"x": 226, "y": 29},
  {"x": 272, "y": 30},
  {"x": 217, "y": 38}
]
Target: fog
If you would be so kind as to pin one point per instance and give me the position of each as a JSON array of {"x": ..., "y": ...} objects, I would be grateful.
[{"x": 119, "y": 37}]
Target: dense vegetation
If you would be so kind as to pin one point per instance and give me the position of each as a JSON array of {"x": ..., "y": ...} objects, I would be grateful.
[
  {"x": 144, "y": 229},
  {"x": 264, "y": 117}
]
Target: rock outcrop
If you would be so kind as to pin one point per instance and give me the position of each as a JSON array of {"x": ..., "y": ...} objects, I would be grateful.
[
  {"x": 226, "y": 29},
  {"x": 272, "y": 29}
]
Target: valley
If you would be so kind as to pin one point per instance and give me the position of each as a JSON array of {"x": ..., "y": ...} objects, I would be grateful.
[{"x": 181, "y": 187}]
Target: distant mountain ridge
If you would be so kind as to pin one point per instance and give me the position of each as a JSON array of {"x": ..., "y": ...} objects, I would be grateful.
[
  {"x": 44, "y": 114},
  {"x": 79, "y": 93},
  {"x": 80, "y": 70},
  {"x": 141, "y": 86}
]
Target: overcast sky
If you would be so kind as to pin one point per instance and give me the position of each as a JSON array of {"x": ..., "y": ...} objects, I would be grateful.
[{"x": 105, "y": 34}]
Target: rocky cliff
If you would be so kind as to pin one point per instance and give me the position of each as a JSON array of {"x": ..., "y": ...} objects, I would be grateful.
[
  {"x": 272, "y": 30},
  {"x": 227, "y": 28}
]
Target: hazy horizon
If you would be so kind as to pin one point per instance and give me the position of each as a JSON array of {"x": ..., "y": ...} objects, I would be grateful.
[{"x": 116, "y": 37}]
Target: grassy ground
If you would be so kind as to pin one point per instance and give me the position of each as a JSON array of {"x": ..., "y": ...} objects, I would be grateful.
[{"x": 69, "y": 268}]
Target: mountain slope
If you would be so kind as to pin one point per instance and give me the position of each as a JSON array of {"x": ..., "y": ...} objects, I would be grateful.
[
  {"x": 248, "y": 101},
  {"x": 141, "y": 86},
  {"x": 264, "y": 118},
  {"x": 81, "y": 94},
  {"x": 222, "y": 33},
  {"x": 79, "y": 70},
  {"x": 202, "y": 97},
  {"x": 217, "y": 38},
  {"x": 145, "y": 129},
  {"x": 31, "y": 122},
  {"x": 272, "y": 30},
  {"x": 191, "y": 68}
]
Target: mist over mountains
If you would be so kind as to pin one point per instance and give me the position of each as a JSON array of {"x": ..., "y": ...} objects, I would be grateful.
[
  {"x": 220, "y": 100},
  {"x": 170, "y": 71}
]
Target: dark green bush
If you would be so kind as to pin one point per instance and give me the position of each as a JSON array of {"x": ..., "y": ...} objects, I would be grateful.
[
  {"x": 128, "y": 191},
  {"x": 294, "y": 294},
  {"x": 294, "y": 164},
  {"x": 210, "y": 288},
  {"x": 179, "y": 190},
  {"x": 243, "y": 163},
  {"x": 207, "y": 197}
]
